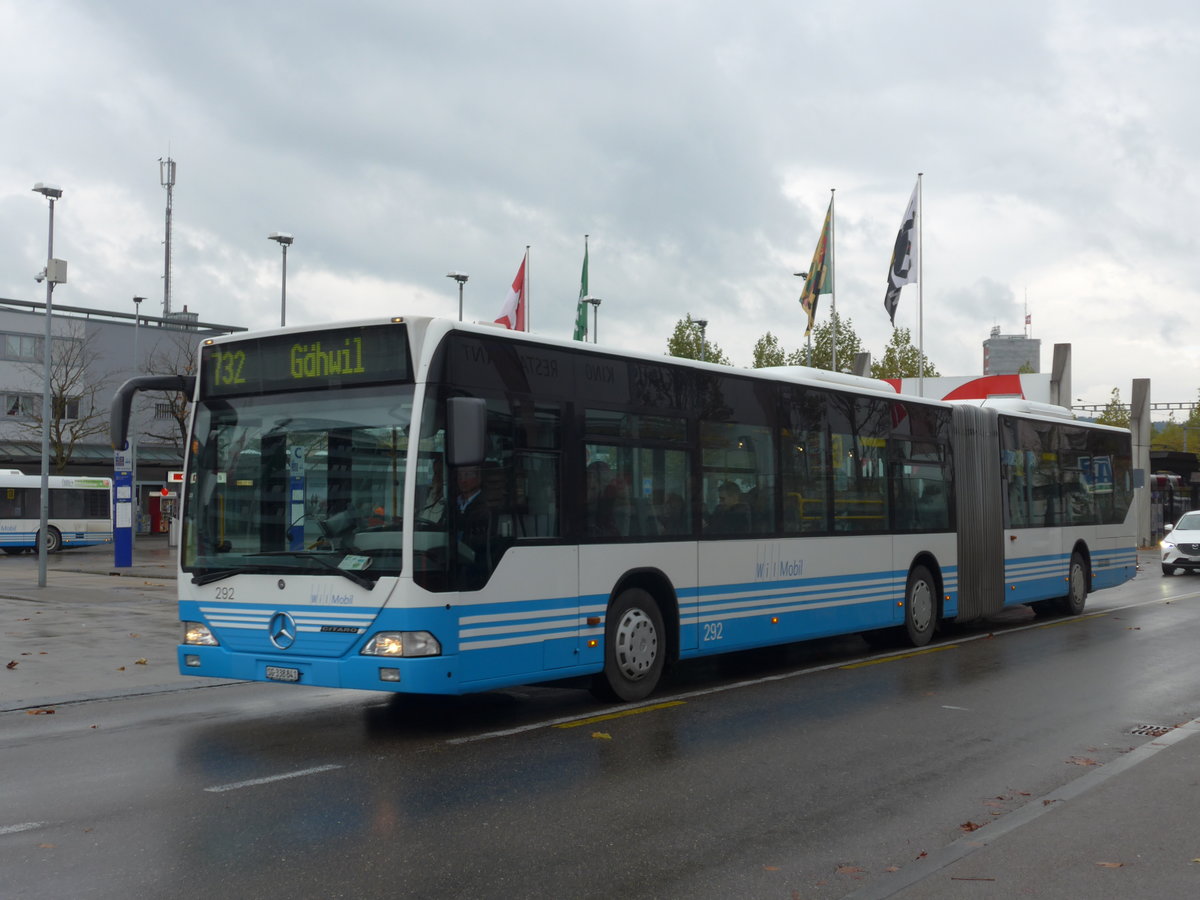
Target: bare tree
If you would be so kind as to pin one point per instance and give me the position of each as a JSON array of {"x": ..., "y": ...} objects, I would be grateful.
[
  {"x": 174, "y": 355},
  {"x": 75, "y": 385}
]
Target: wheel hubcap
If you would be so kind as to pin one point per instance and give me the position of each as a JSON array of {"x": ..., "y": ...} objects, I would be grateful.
[
  {"x": 920, "y": 606},
  {"x": 636, "y": 644}
]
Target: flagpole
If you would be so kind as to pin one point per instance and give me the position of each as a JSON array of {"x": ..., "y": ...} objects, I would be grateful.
[
  {"x": 528, "y": 320},
  {"x": 833, "y": 288},
  {"x": 920, "y": 288}
]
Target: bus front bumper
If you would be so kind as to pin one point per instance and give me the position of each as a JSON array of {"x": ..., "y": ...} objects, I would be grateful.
[{"x": 425, "y": 675}]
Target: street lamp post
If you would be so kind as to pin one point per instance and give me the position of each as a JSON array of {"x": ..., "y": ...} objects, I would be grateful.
[
  {"x": 703, "y": 323},
  {"x": 595, "y": 301},
  {"x": 285, "y": 241},
  {"x": 54, "y": 273},
  {"x": 461, "y": 278},
  {"x": 133, "y": 437}
]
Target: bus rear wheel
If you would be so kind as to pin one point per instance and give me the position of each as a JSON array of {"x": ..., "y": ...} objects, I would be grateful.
[
  {"x": 1077, "y": 586},
  {"x": 920, "y": 606},
  {"x": 53, "y": 539},
  {"x": 634, "y": 648}
]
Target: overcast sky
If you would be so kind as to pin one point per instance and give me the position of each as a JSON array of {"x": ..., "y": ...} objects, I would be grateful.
[{"x": 695, "y": 142}]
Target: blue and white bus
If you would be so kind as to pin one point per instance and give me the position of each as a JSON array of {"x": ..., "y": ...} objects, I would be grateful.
[
  {"x": 80, "y": 511},
  {"x": 427, "y": 506}
]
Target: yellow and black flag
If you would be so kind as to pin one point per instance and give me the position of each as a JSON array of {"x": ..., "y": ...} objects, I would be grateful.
[{"x": 819, "y": 279}]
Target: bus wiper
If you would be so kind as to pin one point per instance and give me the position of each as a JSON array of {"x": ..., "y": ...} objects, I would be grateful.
[
  {"x": 219, "y": 574},
  {"x": 323, "y": 559}
]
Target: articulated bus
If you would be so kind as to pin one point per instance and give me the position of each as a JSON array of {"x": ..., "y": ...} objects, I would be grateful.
[
  {"x": 80, "y": 511},
  {"x": 420, "y": 505}
]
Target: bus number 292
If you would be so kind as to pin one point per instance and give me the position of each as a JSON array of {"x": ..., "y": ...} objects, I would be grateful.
[{"x": 714, "y": 631}]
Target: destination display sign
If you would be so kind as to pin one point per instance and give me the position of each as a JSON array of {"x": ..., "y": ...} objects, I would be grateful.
[{"x": 307, "y": 361}]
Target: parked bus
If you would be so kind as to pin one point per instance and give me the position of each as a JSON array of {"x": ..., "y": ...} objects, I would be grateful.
[
  {"x": 428, "y": 506},
  {"x": 80, "y": 512}
]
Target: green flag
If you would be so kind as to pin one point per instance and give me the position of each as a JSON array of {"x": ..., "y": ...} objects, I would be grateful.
[{"x": 581, "y": 317}]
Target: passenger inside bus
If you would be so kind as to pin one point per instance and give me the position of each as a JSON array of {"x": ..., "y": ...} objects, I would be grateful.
[
  {"x": 432, "y": 508},
  {"x": 731, "y": 514}
]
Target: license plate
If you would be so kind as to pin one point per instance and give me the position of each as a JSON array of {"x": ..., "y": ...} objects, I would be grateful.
[{"x": 282, "y": 673}]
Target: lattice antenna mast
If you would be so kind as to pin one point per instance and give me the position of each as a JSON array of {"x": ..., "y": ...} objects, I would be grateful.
[{"x": 166, "y": 177}]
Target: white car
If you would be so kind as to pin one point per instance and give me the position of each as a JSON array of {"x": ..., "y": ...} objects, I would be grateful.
[{"x": 1181, "y": 544}]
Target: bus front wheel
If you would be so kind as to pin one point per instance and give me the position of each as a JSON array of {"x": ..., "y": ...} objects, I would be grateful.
[
  {"x": 920, "y": 606},
  {"x": 634, "y": 648},
  {"x": 53, "y": 540}
]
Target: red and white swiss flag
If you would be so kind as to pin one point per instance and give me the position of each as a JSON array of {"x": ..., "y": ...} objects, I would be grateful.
[{"x": 512, "y": 314}]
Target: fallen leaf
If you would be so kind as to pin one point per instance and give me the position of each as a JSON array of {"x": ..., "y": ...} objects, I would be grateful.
[
  {"x": 45, "y": 846},
  {"x": 12, "y": 665},
  {"x": 969, "y": 826},
  {"x": 133, "y": 634},
  {"x": 601, "y": 736},
  {"x": 770, "y": 868},
  {"x": 39, "y": 712},
  {"x": 1110, "y": 865},
  {"x": 922, "y": 855},
  {"x": 120, "y": 668},
  {"x": 849, "y": 870},
  {"x": 140, "y": 662},
  {"x": 892, "y": 869},
  {"x": 1082, "y": 761}
]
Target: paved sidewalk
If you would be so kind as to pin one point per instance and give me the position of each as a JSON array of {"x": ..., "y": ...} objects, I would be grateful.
[{"x": 94, "y": 631}]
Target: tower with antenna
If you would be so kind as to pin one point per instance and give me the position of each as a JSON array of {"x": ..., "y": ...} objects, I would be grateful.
[{"x": 166, "y": 177}]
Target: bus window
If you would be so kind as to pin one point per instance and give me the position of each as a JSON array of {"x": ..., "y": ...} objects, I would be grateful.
[
  {"x": 637, "y": 475},
  {"x": 739, "y": 478},
  {"x": 858, "y": 439},
  {"x": 805, "y": 461}
]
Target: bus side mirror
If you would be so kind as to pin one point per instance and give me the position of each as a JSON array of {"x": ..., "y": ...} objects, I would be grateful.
[{"x": 466, "y": 430}]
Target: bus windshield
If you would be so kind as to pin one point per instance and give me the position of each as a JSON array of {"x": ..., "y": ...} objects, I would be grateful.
[{"x": 308, "y": 481}]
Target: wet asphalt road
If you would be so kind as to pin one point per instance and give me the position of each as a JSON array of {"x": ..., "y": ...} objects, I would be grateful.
[{"x": 814, "y": 771}]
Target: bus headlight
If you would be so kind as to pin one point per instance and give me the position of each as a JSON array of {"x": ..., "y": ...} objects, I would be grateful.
[
  {"x": 402, "y": 643},
  {"x": 198, "y": 633}
]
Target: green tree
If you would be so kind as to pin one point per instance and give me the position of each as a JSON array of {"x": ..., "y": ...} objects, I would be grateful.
[
  {"x": 901, "y": 358},
  {"x": 848, "y": 344},
  {"x": 1115, "y": 413},
  {"x": 768, "y": 352},
  {"x": 687, "y": 339}
]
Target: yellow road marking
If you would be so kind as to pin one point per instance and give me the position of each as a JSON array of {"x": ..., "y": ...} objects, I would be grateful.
[
  {"x": 1099, "y": 615},
  {"x": 619, "y": 715},
  {"x": 899, "y": 656}
]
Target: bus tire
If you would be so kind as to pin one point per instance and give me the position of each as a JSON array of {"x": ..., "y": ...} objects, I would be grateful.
[
  {"x": 53, "y": 539},
  {"x": 920, "y": 606},
  {"x": 634, "y": 648},
  {"x": 13, "y": 551},
  {"x": 1071, "y": 604}
]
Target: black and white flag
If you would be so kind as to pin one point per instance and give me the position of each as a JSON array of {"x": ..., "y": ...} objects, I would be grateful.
[{"x": 903, "y": 269}]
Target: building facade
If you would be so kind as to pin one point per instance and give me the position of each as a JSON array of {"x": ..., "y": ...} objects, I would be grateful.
[
  {"x": 92, "y": 353},
  {"x": 1010, "y": 354}
]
